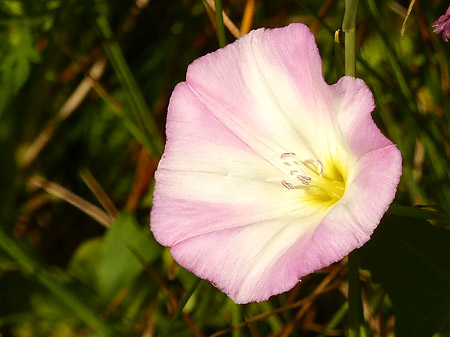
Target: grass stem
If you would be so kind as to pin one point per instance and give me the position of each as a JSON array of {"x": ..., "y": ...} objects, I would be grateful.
[{"x": 220, "y": 25}]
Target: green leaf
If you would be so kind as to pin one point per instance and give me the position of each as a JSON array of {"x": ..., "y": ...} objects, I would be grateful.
[
  {"x": 85, "y": 261},
  {"x": 411, "y": 259},
  {"x": 119, "y": 266}
]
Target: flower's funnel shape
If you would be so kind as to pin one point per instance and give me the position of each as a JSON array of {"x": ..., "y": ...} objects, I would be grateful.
[{"x": 269, "y": 173}]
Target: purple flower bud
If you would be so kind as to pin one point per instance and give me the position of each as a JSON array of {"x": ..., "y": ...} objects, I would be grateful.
[{"x": 443, "y": 25}]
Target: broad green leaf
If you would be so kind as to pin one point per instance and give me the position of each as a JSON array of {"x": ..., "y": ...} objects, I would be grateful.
[
  {"x": 411, "y": 259},
  {"x": 119, "y": 265},
  {"x": 85, "y": 261}
]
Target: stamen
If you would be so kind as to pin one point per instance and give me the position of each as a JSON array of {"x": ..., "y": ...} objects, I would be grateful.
[
  {"x": 287, "y": 154},
  {"x": 307, "y": 175},
  {"x": 289, "y": 186},
  {"x": 319, "y": 167},
  {"x": 304, "y": 179}
]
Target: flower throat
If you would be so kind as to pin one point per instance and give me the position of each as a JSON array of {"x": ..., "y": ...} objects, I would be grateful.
[{"x": 322, "y": 184}]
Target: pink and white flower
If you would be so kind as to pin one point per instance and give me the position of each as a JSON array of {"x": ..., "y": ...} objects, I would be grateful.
[{"x": 269, "y": 173}]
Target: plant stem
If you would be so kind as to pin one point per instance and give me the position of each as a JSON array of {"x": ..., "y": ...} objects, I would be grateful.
[
  {"x": 355, "y": 310},
  {"x": 236, "y": 318},
  {"x": 220, "y": 25},
  {"x": 349, "y": 28}
]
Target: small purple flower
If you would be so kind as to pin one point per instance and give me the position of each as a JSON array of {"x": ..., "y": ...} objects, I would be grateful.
[{"x": 443, "y": 25}]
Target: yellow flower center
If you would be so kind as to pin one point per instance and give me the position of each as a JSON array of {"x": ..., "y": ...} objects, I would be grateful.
[{"x": 322, "y": 183}]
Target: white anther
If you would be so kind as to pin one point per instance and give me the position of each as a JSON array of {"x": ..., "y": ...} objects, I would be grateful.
[
  {"x": 304, "y": 179},
  {"x": 289, "y": 186},
  {"x": 319, "y": 167},
  {"x": 287, "y": 155}
]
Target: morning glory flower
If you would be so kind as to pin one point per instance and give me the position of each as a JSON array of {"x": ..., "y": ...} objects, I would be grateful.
[
  {"x": 442, "y": 25},
  {"x": 269, "y": 173}
]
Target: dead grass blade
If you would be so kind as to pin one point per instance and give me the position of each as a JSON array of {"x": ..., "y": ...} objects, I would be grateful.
[{"x": 60, "y": 192}]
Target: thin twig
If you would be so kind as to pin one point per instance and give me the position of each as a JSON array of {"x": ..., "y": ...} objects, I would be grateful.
[
  {"x": 96, "y": 85},
  {"x": 60, "y": 192},
  {"x": 411, "y": 5},
  {"x": 99, "y": 193},
  {"x": 66, "y": 110},
  {"x": 247, "y": 19},
  {"x": 321, "y": 288}
]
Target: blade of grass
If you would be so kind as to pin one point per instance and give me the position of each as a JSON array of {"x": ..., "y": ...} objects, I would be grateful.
[
  {"x": 58, "y": 191},
  {"x": 99, "y": 193},
  {"x": 274, "y": 321},
  {"x": 411, "y": 5},
  {"x": 417, "y": 212},
  {"x": 336, "y": 319},
  {"x": 181, "y": 306}
]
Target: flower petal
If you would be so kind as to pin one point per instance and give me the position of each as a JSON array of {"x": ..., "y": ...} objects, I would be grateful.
[
  {"x": 194, "y": 163},
  {"x": 350, "y": 223},
  {"x": 267, "y": 89},
  {"x": 243, "y": 261},
  {"x": 271, "y": 256},
  {"x": 353, "y": 104},
  {"x": 208, "y": 179}
]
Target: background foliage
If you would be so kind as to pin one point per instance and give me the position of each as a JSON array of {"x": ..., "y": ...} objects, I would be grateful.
[{"x": 84, "y": 87}]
